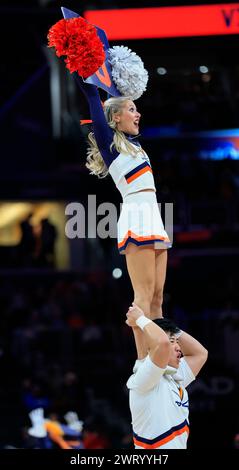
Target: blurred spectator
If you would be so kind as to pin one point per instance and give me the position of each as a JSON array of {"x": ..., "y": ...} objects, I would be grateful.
[
  {"x": 27, "y": 243},
  {"x": 46, "y": 244},
  {"x": 34, "y": 396},
  {"x": 51, "y": 433}
]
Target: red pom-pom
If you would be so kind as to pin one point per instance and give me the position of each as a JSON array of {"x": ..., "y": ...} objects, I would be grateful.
[{"x": 78, "y": 40}]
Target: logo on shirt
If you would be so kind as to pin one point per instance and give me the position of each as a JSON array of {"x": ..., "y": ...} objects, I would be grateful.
[{"x": 184, "y": 404}]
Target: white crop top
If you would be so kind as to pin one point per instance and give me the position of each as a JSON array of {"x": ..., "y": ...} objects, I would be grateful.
[{"x": 132, "y": 173}]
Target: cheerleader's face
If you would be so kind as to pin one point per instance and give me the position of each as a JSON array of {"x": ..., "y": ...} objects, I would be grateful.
[
  {"x": 127, "y": 119},
  {"x": 175, "y": 352}
]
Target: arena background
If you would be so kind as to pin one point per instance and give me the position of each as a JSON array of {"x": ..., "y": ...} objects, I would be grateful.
[{"x": 63, "y": 342}]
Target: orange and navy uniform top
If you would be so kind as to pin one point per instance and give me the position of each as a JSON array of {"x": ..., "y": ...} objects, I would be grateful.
[
  {"x": 162, "y": 439},
  {"x": 159, "y": 405},
  {"x": 131, "y": 173}
]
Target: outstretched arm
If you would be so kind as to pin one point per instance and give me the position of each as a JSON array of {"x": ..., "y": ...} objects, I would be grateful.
[
  {"x": 194, "y": 353},
  {"x": 102, "y": 132}
]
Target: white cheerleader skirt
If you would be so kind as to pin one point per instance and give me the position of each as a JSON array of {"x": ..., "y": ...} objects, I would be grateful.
[{"x": 140, "y": 222}]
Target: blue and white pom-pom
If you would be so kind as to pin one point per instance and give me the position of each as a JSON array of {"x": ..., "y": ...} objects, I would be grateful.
[{"x": 128, "y": 72}]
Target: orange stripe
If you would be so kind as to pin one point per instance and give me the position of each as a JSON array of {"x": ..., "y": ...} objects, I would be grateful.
[
  {"x": 103, "y": 77},
  {"x": 139, "y": 173},
  {"x": 85, "y": 121},
  {"x": 141, "y": 239},
  {"x": 162, "y": 441}
]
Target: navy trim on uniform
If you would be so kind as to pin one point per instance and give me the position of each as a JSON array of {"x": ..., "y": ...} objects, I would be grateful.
[
  {"x": 161, "y": 436},
  {"x": 135, "y": 170}
]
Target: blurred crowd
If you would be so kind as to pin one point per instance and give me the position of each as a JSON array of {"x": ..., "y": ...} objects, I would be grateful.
[{"x": 65, "y": 348}]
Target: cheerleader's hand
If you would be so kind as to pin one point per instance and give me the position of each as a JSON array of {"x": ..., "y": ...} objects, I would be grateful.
[{"x": 133, "y": 314}]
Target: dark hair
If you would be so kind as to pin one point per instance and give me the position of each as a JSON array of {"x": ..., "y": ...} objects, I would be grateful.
[{"x": 167, "y": 325}]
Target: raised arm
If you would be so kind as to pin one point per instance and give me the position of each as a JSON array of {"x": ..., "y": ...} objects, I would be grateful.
[
  {"x": 194, "y": 353},
  {"x": 152, "y": 339},
  {"x": 102, "y": 132},
  {"x": 140, "y": 342}
]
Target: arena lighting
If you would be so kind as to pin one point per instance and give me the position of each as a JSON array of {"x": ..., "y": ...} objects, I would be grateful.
[
  {"x": 161, "y": 71},
  {"x": 117, "y": 273},
  {"x": 203, "y": 69},
  {"x": 166, "y": 22}
]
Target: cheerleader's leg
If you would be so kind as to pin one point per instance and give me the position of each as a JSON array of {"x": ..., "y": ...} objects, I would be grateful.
[
  {"x": 141, "y": 268},
  {"x": 160, "y": 276}
]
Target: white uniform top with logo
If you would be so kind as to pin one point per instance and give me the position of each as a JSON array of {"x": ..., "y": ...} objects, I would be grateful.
[
  {"x": 132, "y": 173},
  {"x": 159, "y": 405}
]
